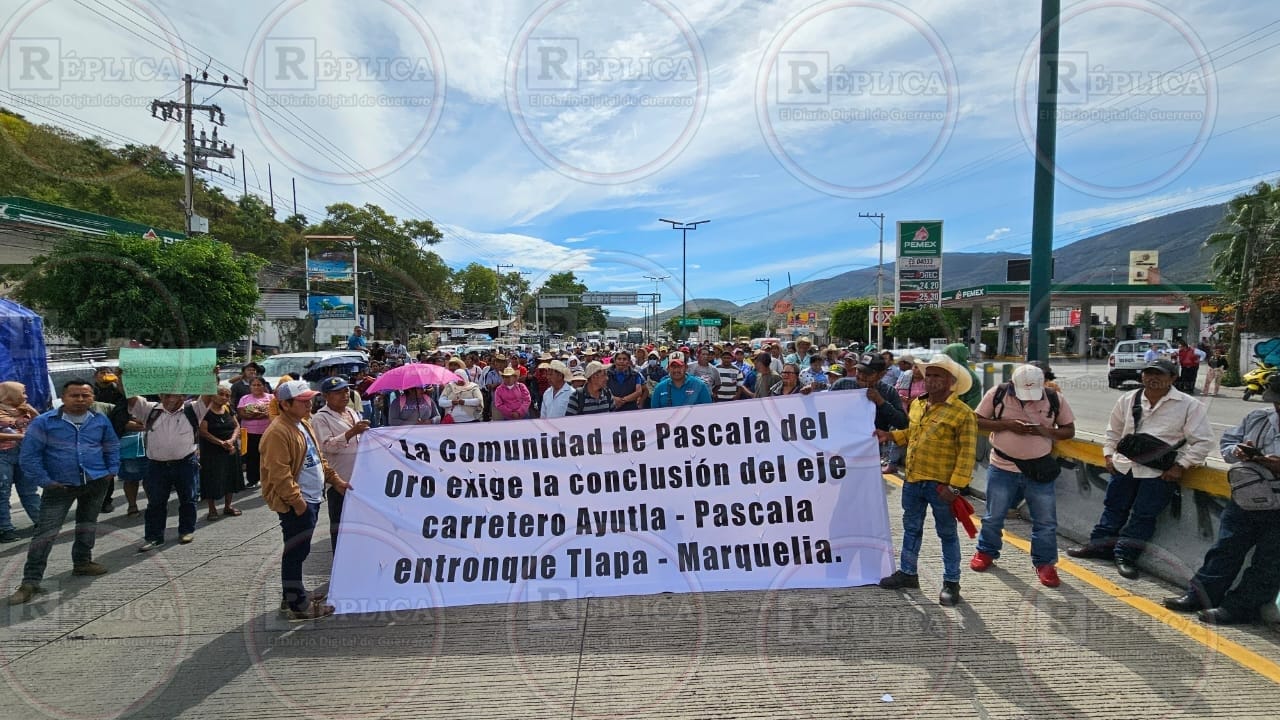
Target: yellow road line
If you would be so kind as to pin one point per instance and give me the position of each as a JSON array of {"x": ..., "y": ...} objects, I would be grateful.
[{"x": 1192, "y": 628}]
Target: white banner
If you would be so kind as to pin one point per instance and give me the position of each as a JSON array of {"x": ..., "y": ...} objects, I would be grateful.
[{"x": 752, "y": 495}]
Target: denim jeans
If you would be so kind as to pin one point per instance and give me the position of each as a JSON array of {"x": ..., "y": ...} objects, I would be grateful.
[
  {"x": 28, "y": 493},
  {"x": 1129, "y": 513},
  {"x": 917, "y": 497},
  {"x": 163, "y": 478},
  {"x": 1004, "y": 488},
  {"x": 334, "y": 499},
  {"x": 297, "y": 531},
  {"x": 53, "y": 512},
  {"x": 1239, "y": 532}
]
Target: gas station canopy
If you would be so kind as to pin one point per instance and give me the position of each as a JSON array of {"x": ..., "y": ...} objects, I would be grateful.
[{"x": 1064, "y": 294}]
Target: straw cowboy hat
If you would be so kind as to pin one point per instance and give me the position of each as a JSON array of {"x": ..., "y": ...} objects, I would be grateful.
[{"x": 964, "y": 380}]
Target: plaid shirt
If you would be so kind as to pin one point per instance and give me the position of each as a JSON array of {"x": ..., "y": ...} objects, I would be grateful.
[{"x": 941, "y": 442}]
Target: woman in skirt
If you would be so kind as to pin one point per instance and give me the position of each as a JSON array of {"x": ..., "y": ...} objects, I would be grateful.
[{"x": 220, "y": 475}]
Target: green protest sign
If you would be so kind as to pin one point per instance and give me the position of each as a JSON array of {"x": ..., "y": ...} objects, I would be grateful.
[{"x": 189, "y": 371}]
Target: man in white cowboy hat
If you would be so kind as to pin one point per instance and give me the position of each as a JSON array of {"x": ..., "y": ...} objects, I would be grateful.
[
  {"x": 941, "y": 441},
  {"x": 555, "y": 401}
]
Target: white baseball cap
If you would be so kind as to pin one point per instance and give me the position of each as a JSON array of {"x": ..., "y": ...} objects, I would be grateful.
[{"x": 1028, "y": 383}]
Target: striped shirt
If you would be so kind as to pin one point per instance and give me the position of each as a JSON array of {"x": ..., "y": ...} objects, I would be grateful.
[
  {"x": 730, "y": 380},
  {"x": 941, "y": 442},
  {"x": 581, "y": 403}
]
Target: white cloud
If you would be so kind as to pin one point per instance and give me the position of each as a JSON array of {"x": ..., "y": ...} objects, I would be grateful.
[{"x": 997, "y": 234}]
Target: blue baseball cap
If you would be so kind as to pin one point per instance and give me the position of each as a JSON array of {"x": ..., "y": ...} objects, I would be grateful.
[{"x": 334, "y": 384}]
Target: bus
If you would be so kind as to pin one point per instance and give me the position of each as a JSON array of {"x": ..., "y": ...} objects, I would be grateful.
[{"x": 635, "y": 335}]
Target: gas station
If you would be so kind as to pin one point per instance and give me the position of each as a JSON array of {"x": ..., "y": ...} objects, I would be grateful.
[{"x": 1013, "y": 300}]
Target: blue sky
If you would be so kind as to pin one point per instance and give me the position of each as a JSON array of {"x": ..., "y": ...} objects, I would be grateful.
[{"x": 552, "y": 136}]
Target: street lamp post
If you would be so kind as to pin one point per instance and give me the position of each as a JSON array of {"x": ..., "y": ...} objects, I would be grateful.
[
  {"x": 878, "y": 219},
  {"x": 684, "y": 229},
  {"x": 653, "y": 312},
  {"x": 768, "y": 291},
  {"x": 498, "y": 333}
]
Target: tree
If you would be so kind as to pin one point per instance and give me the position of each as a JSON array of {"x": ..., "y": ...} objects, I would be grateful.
[
  {"x": 581, "y": 317},
  {"x": 172, "y": 294},
  {"x": 479, "y": 286},
  {"x": 1145, "y": 320},
  {"x": 757, "y": 329},
  {"x": 515, "y": 293},
  {"x": 849, "y": 318},
  {"x": 918, "y": 326},
  {"x": 1247, "y": 250}
]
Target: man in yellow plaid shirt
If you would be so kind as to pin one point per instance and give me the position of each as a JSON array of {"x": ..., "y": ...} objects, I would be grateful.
[{"x": 941, "y": 443}]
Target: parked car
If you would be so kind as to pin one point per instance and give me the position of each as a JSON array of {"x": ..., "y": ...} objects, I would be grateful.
[
  {"x": 1128, "y": 358},
  {"x": 277, "y": 366},
  {"x": 62, "y": 371}
]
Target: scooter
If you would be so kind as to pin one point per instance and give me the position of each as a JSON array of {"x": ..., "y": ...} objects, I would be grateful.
[{"x": 1255, "y": 381}]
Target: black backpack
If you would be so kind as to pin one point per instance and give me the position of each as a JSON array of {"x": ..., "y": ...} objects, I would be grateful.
[
  {"x": 997, "y": 401},
  {"x": 187, "y": 410}
]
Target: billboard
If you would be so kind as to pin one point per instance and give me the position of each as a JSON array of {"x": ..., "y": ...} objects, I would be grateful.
[
  {"x": 1144, "y": 267},
  {"x": 331, "y": 307},
  {"x": 918, "y": 270},
  {"x": 802, "y": 318},
  {"x": 330, "y": 267}
]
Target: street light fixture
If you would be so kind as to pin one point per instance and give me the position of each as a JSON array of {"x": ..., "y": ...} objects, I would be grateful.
[
  {"x": 653, "y": 313},
  {"x": 878, "y": 219},
  {"x": 768, "y": 291},
  {"x": 684, "y": 229}
]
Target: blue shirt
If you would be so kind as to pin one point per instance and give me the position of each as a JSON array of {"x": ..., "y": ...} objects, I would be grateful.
[
  {"x": 56, "y": 451},
  {"x": 692, "y": 392},
  {"x": 356, "y": 342}
]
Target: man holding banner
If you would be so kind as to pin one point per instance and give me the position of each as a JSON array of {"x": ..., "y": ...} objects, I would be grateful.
[{"x": 941, "y": 444}]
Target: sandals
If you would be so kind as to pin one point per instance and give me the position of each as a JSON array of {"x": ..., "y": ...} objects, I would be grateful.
[
  {"x": 213, "y": 516},
  {"x": 315, "y": 610},
  {"x": 232, "y": 512}
]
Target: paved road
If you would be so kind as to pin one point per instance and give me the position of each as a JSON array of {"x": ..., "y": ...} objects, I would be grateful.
[{"x": 191, "y": 632}]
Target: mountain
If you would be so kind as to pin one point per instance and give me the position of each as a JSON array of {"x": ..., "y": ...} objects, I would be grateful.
[{"x": 1103, "y": 258}]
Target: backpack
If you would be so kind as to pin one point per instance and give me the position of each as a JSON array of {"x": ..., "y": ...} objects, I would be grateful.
[
  {"x": 187, "y": 410},
  {"x": 1253, "y": 487},
  {"x": 997, "y": 401}
]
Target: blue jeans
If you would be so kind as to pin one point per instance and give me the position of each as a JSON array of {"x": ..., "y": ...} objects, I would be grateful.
[
  {"x": 1239, "y": 532},
  {"x": 1004, "y": 488},
  {"x": 53, "y": 512},
  {"x": 297, "y": 531},
  {"x": 28, "y": 493},
  {"x": 917, "y": 497},
  {"x": 182, "y": 477},
  {"x": 1129, "y": 513}
]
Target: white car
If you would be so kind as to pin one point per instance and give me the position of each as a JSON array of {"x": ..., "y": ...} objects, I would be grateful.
[{"x": 277, "y": 366}]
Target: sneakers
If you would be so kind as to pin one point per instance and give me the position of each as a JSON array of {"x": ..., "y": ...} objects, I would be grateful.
[
  {"x": 23, "y": 594},
  {"x": 8, "y": 536},
  {"x": 1048, "y": 575},
  {"x": 186, "y": 539},
  {"x": 89, "y": 568},
  {"x": 150, "y": 545},
  {"x": 950, "y": 594},
  {"x": 899, "y": 580},
  {"x": 981, "y": 562}
]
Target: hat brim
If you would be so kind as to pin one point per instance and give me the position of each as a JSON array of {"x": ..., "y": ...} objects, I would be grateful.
[
  {"x": 305, "y": 395},
  {"x": 964, "y": 382}
]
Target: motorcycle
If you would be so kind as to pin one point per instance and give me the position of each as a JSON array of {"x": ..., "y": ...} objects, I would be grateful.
[{"x": 1255, "y": 381}]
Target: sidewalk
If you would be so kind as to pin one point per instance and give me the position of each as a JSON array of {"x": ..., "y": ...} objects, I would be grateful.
[{"x": 192, "y": 631}]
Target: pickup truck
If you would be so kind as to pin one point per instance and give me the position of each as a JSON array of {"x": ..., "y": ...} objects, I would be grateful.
[{"x": 1129, "y": 357}]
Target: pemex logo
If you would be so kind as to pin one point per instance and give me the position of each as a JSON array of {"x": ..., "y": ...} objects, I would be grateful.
[{"x": 922, "y": 234}]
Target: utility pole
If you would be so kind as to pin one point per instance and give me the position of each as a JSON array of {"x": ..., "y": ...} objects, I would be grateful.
[
  {"x": 1040, "y": 292},
  {"x": 767, "y": 292},
  {"x": 197, "y": 157},
  {"x": 684, "y": 229},
  {"x": 878, "y": 219},
  {"x": 499, "y": 267}
]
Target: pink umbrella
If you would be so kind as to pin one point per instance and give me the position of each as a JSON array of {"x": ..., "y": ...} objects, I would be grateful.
[{"x": 410, "y": 376}]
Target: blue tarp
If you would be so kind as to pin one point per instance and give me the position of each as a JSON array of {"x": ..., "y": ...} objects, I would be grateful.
[{"x": 22, "y": 352}]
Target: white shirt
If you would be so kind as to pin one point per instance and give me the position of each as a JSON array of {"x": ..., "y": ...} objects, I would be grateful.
[
  {"x": 1177, "y": 416},
  {"x": 331, "y": 429},
  {"x": 171, "y": 436},
  {"x": 556, "y": 403},
  {"x": 311, "y": 479}
]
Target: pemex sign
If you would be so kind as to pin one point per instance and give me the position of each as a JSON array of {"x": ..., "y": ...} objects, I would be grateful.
[{"x": 918, "y": 270}]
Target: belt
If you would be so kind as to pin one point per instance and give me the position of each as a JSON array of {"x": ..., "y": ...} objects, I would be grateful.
[{"x": 174, "y": 462}]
